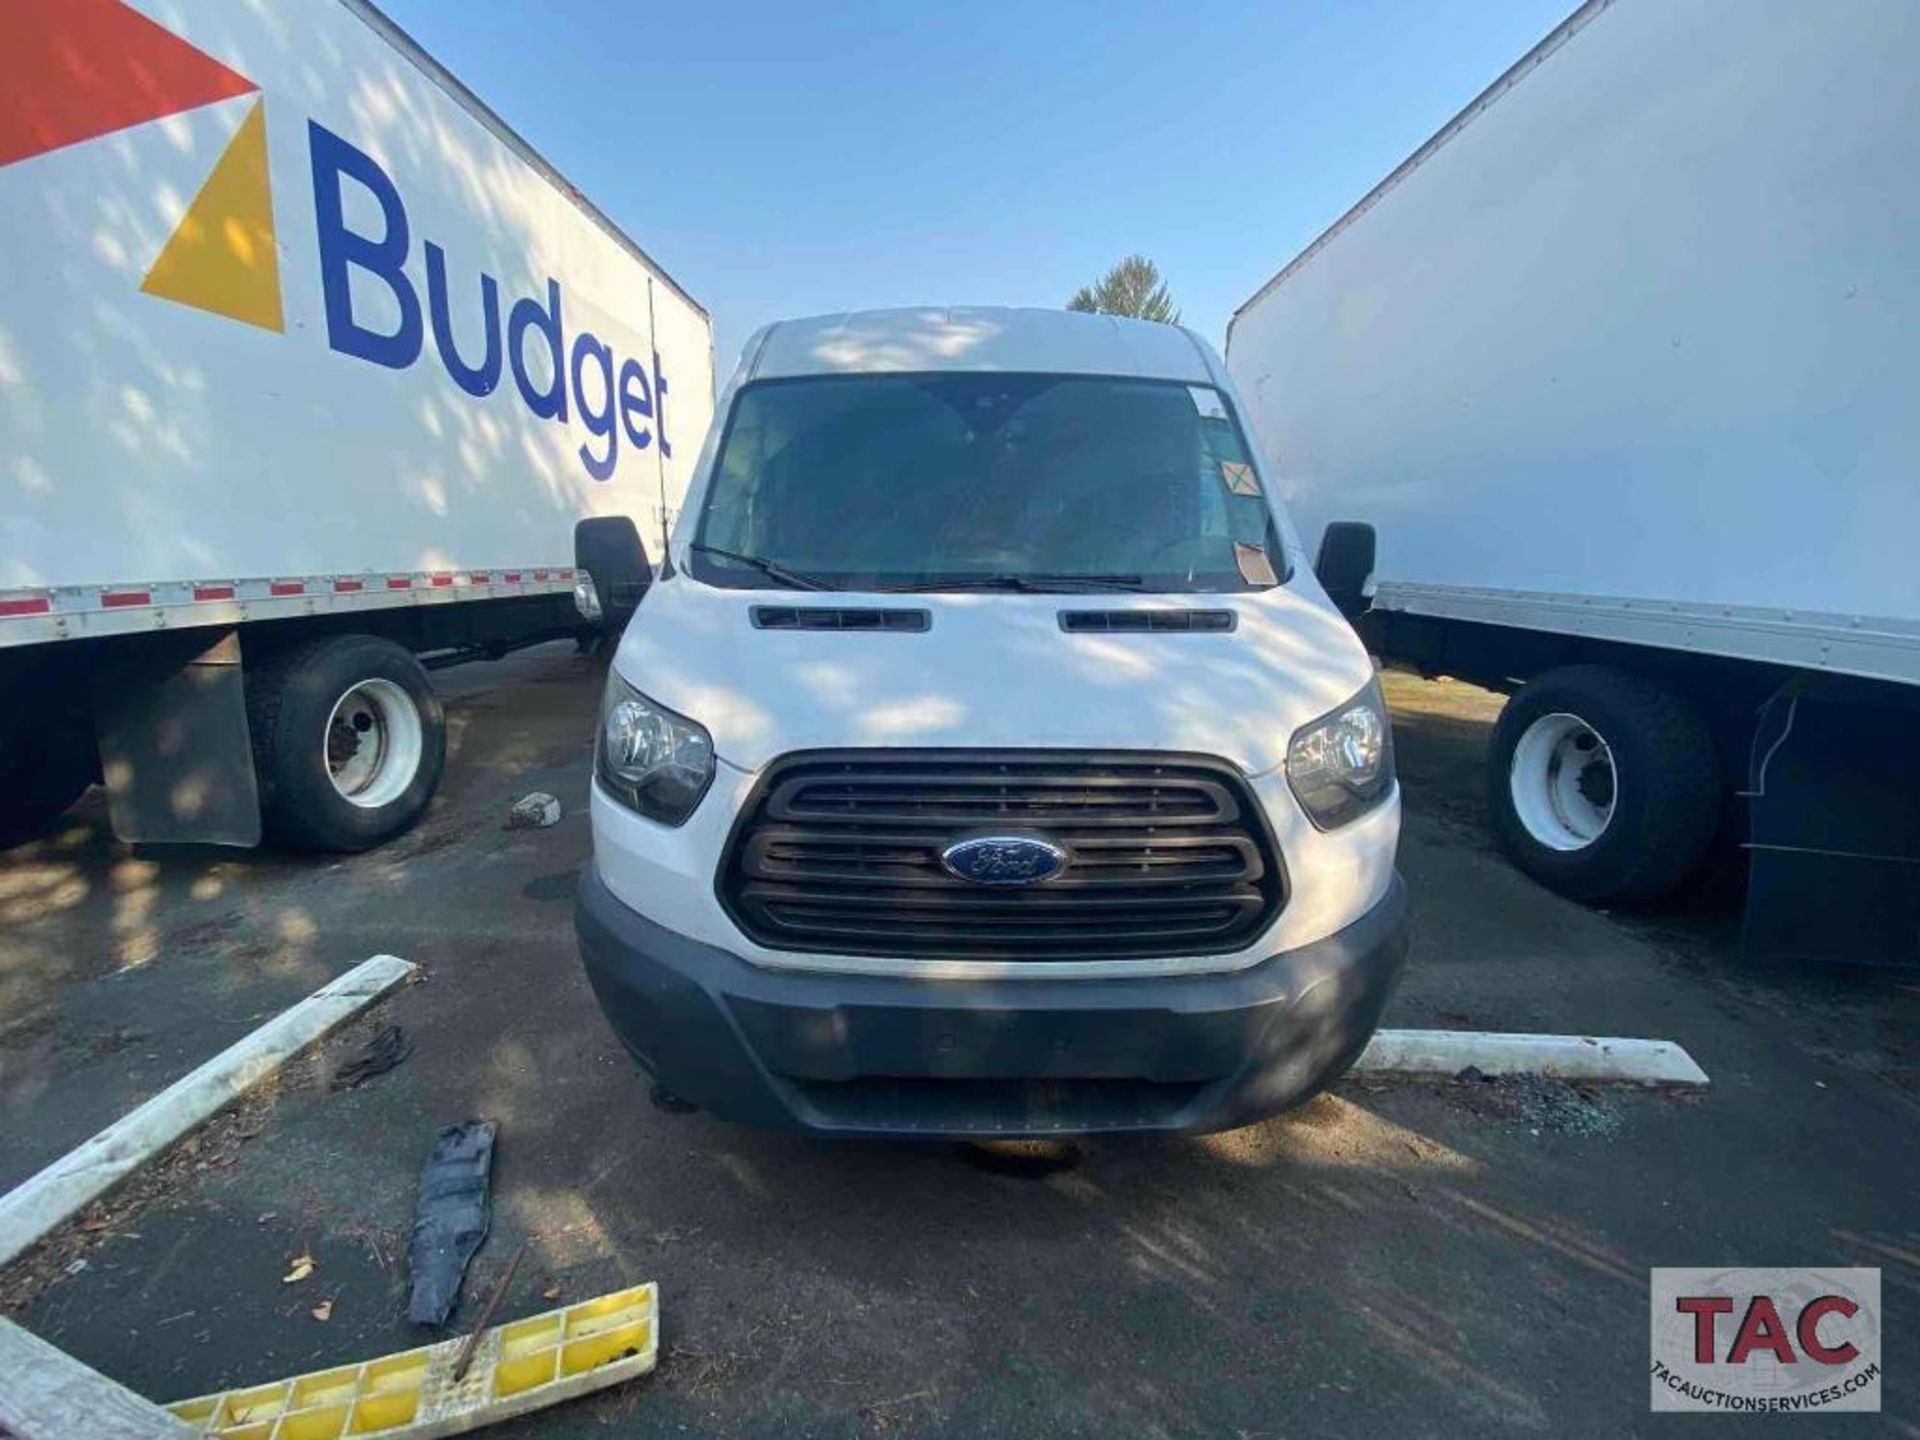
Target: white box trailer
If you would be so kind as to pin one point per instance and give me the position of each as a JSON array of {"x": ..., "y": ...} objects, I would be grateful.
[
  {"x": 311, "y": 368},
  {"x": 1620, "y": 368}
]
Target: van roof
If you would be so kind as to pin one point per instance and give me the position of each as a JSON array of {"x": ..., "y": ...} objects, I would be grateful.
[{"x": 935, "y": 337}]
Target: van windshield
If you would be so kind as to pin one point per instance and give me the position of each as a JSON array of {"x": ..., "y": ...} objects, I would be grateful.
[{"x": 984, "y": 481}]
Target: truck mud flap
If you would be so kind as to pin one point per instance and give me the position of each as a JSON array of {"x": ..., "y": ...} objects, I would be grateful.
[
  {"x": 1834, "y": 857},
  {"x": 174, "y": 746}
]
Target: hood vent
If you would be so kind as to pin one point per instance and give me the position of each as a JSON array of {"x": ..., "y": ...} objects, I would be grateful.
[
  {"x": 1130, "y": 622},
  {"x": 838, "y": 617}
]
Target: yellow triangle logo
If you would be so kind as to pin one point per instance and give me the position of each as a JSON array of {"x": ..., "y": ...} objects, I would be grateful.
[{"x": 221, "y": 257}]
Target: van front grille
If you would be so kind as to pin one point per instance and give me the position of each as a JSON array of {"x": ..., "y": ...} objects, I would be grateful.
[{"x": 840, "y": 852}]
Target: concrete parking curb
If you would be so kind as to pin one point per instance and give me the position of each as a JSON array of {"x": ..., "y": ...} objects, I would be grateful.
[
  {"x": 1569, "y": 1057},
  {"x": 37, "y": 1205},
  {"x": 50, "y": 1395}
]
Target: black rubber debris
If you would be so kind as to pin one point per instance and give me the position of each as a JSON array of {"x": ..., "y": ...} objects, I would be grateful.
[
  {"x": 388, "y": 1047},
  {"x": 451, "y": 1218}
]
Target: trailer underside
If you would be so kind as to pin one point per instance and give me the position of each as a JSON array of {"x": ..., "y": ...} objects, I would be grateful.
[{"x": 163, "y": 717}]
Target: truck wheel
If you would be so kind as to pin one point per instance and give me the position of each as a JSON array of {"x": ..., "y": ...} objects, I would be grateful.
[
  {"x": 348, "y": 742},
  {"x": 1602, "y": 785}
]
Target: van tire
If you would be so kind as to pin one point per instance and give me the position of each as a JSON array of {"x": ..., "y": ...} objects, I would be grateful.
[
  {"x": 372, "y": 776},
  {"x": 1652, "y": 758}
]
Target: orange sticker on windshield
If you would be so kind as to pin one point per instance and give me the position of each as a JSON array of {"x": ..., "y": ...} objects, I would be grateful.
[
  {"x": 1239, "y": 478},
  {"x": 1255, "y": 567}
]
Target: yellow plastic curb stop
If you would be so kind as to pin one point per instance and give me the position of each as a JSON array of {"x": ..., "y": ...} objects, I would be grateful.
[{"x": 517, "y": 1367}]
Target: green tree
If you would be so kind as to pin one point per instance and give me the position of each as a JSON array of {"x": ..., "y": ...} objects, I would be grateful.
[{"x": 1133, "y": 287}]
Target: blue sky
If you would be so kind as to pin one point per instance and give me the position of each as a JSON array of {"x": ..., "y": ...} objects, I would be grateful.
[{"x": 792, "y": 158}]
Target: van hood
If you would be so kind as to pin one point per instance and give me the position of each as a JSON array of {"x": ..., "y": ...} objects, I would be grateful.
[{"x": 993, "y": 671}]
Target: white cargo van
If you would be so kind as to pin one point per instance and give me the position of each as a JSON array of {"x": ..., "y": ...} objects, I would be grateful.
[
  {"x": 985, "y": 760},
  {"x": 312, "y": 374}
]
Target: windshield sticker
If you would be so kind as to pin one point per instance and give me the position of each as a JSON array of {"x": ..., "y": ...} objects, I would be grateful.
[
  {"x": 1207, "y": 401},
  {"x": 1239, "y": 478},
  {"x": 1255, "y": 568}
]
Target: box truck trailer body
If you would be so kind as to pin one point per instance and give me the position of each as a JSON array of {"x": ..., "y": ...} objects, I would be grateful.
[
  {"x": 1619, "y": 367},
  {"x": 308, "y": 361}
]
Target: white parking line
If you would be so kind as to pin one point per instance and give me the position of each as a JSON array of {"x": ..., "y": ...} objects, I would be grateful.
[
  {"x": 1570, "y": 1057},
  {"x": 35, "y": 1206}
]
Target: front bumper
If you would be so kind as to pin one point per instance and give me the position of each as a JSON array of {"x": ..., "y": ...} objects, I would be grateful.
[{"x": 868, "y": 1055}]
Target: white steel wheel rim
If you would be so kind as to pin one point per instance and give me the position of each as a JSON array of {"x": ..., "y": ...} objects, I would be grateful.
[
  {"x": 372, "y": 744},
  {"x": 1563, "y": 782}
]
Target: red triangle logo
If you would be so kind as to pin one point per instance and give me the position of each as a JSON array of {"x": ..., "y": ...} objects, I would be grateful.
[{"x": 74, "y": 69}]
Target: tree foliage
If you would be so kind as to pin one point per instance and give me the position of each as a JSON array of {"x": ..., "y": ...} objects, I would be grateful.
[{"x": 1133, "y": 287}]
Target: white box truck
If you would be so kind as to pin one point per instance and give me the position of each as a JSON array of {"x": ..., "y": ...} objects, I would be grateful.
[
  {"x": 311, "y": 370},
  {"x": 1606, "y": 397}
]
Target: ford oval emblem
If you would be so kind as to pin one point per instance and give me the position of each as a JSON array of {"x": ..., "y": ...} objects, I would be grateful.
[{"x": 1003, "y": 860}]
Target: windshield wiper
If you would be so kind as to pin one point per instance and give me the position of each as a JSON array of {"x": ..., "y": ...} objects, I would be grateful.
[
  {"x": 772, "y": 569},
  {"x": 1026, "y": 583}
]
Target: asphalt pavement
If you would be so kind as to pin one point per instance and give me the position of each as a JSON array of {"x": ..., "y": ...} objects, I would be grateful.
[{"x": 1411, "y": 1260}]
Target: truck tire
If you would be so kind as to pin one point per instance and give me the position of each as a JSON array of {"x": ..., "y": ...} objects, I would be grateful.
[
  {"x": 1602, "y": 785},
  {"x": 348, "y": 742}
]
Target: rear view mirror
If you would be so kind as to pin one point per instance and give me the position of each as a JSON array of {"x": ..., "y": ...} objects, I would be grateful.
[
  {"x": 608, "y": 548},
  {"x": 1345, "y": 564}
]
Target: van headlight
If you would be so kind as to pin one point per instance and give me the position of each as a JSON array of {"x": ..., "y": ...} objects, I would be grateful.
[
  {"x": 648, "y": 758},
  {"x": 1341, "y": 765}
]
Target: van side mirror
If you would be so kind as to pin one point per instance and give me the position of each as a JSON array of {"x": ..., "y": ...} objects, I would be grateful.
[
  {"x": 1345, "y": 564},
  {"x": 608, "y": 548}
]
